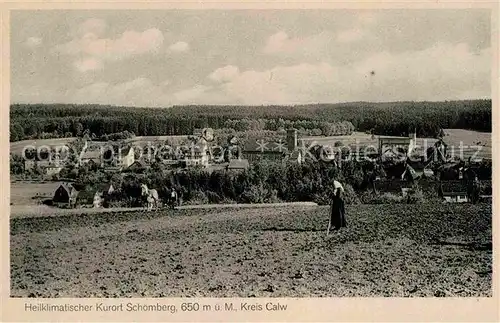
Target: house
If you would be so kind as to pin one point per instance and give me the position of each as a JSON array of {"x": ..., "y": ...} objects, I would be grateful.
[
  {"x": 453, "y": 191},
  {"x": 47, "y": 167},
  {"x": 237, "y": 165},
  {"x": 89, "y": 198},
  {"x": 269, "y": 148},
  {"x": 127, "y": 157},
  {"x": 197, "y": 155},
  {"x": 438, "y": 152},
  {"x": 397, "y": 145},
  {"x": 66, "y": 194},
  {"x": 118, "y": 158},
  {"x": 91, "y": 157},
  {"x": 52, "y": 170},
  {"x": 93, "y": 196}
]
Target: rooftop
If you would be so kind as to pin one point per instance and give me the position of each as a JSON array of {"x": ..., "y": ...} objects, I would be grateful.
[{"x": 238, "y": 164}]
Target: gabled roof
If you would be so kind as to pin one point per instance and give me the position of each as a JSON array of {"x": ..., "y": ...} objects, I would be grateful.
[
  {"x": 125, "y": 151},
  {"x": 86, "y": 196},
  {"x": 71, "y": 188}
]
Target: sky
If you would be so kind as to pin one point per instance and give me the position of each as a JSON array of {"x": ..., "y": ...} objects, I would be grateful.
[{"x": 161, "y": 58}]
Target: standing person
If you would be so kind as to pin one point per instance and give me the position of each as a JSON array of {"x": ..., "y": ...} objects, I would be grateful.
[
  {"x": 173, "y": 197},
  {"x": 337, "y": 210}
]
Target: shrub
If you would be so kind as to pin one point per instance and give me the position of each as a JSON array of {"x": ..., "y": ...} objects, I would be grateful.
[
  {"x": 197, "y": 197},
  {"x": 254, "y": 194},
  {"x": 213, "y": 197},
  {"x": 415, "y": 196},
  {"x": 384, "y": 198}
]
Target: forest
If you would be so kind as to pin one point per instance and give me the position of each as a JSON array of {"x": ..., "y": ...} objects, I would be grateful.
[{"x": 38, "y": 121}]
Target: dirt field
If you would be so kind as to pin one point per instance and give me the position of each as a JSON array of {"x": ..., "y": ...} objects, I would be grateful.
[
  {"x": 31, "y": 193},
  {"x": 442, "y": 250}
]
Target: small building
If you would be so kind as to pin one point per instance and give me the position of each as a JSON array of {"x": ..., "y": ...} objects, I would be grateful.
[
  {"x": 238, "y": 165},
  {"x": 91, "y": 157},
  {"x": 66, "y": 195},
  {"x": 398, "y": 144},
  {"x": 46, "y": 166},
  {"x": 89, "y": 198},
  {"x": 127, "y": 157},
  {"x": 94, "y": 196},
  {"x": 264, "y": 149},
  {"x": 256, "y": 149},
  {"x": 454, "y": 191}
]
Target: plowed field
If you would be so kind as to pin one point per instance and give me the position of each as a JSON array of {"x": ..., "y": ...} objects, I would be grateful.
[{"x": 422, "y": 250}]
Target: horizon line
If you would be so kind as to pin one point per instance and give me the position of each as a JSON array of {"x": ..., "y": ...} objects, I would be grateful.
[{"x": 251, "y": 105}]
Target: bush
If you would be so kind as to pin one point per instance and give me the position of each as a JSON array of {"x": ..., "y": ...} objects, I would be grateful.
[
  {"x": 384, "y": 198},
  {"x": 197, "y": 197},
  {"x": 415, "y": 196},
  {"x": 253, "y": 194}
]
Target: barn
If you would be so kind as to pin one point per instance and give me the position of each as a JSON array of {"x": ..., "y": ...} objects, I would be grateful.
[{"x": 66, "y": 195}]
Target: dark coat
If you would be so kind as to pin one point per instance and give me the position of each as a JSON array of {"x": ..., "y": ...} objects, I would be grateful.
[{"x": 337, "y": 216}]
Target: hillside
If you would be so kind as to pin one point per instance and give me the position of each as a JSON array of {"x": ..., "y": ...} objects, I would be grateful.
[{"x": 395, "y": 118}]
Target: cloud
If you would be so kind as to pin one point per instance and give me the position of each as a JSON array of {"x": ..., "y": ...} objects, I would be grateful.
[
  {"x": 180, "y": 46},
  {"x": 33, "y": 42},
  {"x": 451, "y": 72},
  {"x": 91, "y": 51},
  {"x": 141, "y": 92},
  {"x": 282, "y": 45},
  {"x": 137, "y": 92},
  {"x": 224, "y": 74},
  {"x": 88, "y": 64}
]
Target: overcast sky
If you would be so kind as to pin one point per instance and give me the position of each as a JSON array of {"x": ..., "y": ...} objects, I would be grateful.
[{"x": 162, "y": 58}]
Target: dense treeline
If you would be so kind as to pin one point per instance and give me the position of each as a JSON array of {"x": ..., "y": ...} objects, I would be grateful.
[{"x": 396, "y": 118}]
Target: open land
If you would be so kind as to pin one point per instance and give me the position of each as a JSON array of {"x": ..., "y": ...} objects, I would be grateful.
[{"x": 387, "y": 250}]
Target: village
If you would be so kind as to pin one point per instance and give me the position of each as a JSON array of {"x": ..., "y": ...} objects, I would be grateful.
[{"x": 401, "y": 163}]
